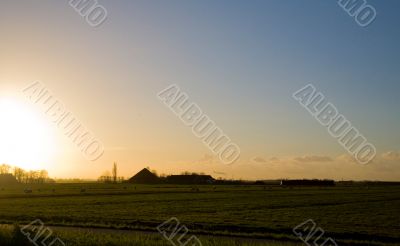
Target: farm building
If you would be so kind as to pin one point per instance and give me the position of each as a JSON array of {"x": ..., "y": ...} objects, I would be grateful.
[
  {"x": 145, "y": 177},
  {"x": 190, "y": 179},
  {"x": 307, "y": 182}
]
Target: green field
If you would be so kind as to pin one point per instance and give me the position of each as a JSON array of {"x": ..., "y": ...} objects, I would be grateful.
[{"x": 249, "y": 215}]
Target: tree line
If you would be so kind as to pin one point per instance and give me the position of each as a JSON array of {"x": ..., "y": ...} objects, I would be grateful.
[
  {"x": 112, "y": 177},
  {"x": 24, "y": 176}
]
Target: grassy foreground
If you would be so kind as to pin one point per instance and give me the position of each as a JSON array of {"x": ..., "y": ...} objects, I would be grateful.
[
  {"x": 354, "y": 215},
  {"x": 11, "y": 236}
]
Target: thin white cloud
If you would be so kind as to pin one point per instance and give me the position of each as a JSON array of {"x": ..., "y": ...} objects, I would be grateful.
[
  {"x": 262, "y": 160},
  {"x": 346, "y": 158},
  {"x": 391, "y": 156},
  {"x": 313, "y": 158},
  {"x": 259, "y": 160}
]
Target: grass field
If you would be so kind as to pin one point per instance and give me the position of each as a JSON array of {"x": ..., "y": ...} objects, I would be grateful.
[{"x": 355, "y": 215}]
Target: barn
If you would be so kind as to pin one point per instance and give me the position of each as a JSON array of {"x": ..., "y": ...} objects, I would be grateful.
[
  {"x": 190, "y": 179},
  {"x": 145, "y": 177},
  {"x": 307, "y": 182}
]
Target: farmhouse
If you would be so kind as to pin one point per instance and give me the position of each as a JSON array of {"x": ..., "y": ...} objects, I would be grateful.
[
  {"x": 307, "y": 182},
  {"x": 190, "y": 179},
  {"x": 145, "y": 177}
]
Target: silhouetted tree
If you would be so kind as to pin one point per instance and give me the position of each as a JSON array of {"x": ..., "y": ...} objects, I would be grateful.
[
  {"x": 43, "y": 176},
  {"x": 4, "y": 169},
  {"x": 115, "y": 172},
  {"x": 105, "y": 177},
  {"x": 19, "y": 174}
]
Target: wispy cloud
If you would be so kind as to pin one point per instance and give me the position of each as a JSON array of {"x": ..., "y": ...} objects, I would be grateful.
[
  {"x": 346, "y": 158},
  {"x": 391, "y": 156},
  {"x": 259, "y": 160},
  {"x": 313, "y": 158},
  {"x": 262, "y": 160}
]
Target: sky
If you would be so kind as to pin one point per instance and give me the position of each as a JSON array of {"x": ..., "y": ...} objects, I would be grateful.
[{"x": 239, "y": 61}]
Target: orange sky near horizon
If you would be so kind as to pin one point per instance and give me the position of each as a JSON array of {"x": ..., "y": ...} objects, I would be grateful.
[{"x": 240, "y": 64}]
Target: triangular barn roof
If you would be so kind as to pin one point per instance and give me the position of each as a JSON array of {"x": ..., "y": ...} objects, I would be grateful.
[{"x": 145, "y": 177}]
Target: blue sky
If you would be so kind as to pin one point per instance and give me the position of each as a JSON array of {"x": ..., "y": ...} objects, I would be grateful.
[{"x": 239, "y": 60}]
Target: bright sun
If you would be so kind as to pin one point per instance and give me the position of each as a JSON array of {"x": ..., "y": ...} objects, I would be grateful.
[{"x": 25, "y": 138}]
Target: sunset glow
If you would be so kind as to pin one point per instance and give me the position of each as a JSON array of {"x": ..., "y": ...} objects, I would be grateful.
[{"x": 25, "y": 138}]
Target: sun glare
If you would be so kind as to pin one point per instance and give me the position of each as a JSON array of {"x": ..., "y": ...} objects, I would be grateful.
[{"x": 25, "y": 138}]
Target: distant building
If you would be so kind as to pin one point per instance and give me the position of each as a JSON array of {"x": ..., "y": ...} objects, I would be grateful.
[
  {"x": 145, "y": 177},
  {"x": 7, "y": 178},
  {"x": 190, "y": 179},
  {"x": 307, "y": 182}
]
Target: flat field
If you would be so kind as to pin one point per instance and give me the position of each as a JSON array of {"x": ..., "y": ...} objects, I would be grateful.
[{"x": 218, "y": 215}]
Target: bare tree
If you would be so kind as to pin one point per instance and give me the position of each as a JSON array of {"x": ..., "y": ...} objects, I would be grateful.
[
  {"x": 4, "y": 168},
  {"x": 19, "y": 174},
  {"x": 43, "y": 176},
  {"x": 115, "y": 172},
  {"x": 105, "y": 177}
]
